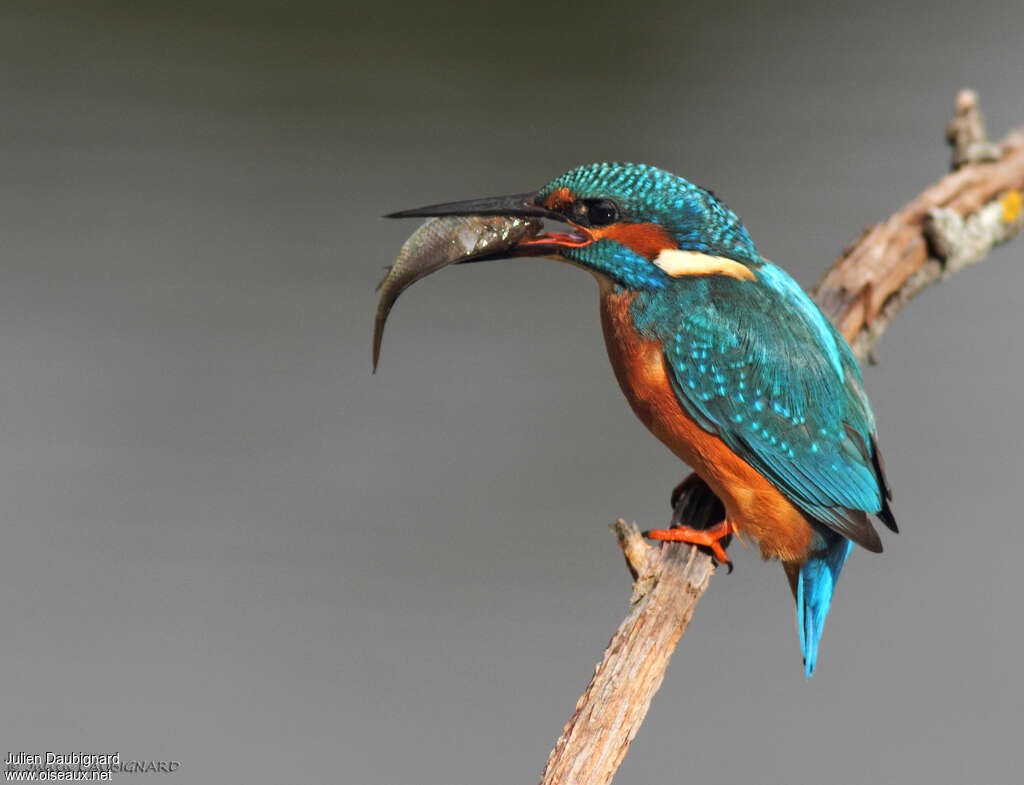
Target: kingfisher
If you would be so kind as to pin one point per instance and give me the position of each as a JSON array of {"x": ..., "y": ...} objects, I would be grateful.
[{"x": 726, "y": 359}]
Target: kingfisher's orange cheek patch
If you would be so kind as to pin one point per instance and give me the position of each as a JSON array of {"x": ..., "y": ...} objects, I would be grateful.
[
  {"x": 559, "y": 199},
  {"x": 646, "y": 239}
]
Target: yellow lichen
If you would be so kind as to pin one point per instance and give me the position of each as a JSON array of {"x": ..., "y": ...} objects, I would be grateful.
[{"x": 1012, "y": 205}]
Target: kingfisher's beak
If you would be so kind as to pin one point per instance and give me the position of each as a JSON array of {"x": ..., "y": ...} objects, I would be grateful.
[{"x": 516, "y": 205}]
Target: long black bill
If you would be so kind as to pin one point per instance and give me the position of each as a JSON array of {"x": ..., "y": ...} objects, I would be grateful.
[{"x": 517, "y": 205}]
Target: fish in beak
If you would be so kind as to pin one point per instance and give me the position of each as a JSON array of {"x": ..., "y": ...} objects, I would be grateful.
[{"x": 475, "y": 230}]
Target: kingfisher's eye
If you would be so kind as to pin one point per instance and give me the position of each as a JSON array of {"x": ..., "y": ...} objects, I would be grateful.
[{"x": 601, "y": 212}]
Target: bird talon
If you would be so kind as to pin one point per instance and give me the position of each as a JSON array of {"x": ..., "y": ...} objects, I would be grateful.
[
  {"x": 709, "y": 538},
  {"x": 719, "y": 553}
]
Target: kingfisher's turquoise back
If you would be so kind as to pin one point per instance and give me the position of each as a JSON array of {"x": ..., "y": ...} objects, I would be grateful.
[
  {"x": 777, "y": 384},
  {"x": 763, "y": 369}
]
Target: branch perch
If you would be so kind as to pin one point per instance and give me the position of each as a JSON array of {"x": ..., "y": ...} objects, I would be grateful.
[{"x": 951, "y": 224}]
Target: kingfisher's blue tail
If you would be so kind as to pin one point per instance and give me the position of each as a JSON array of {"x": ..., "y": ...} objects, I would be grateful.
[{"x": 814, "y": 586}]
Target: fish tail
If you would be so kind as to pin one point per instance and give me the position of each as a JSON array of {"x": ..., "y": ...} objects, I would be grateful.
[{"x": 815, "y": 583}]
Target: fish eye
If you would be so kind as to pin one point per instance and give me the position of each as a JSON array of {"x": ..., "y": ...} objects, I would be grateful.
[{"x": 601, "y": 212}]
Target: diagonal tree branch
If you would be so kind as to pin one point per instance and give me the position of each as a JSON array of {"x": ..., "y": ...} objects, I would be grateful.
[{"x": 951, "y": 224}]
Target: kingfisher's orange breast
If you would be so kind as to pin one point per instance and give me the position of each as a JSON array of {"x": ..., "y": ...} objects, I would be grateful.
[{"x": 754, "y": 506}]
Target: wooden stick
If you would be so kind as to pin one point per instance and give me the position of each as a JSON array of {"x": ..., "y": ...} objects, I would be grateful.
[{"x": 950, "y": 225}]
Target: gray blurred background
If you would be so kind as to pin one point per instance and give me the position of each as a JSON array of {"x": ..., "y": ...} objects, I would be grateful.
[{"x": 226, "y": 543}]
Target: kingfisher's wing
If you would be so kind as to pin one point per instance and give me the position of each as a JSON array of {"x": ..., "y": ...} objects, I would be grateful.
[{"x": 761, "y": 367}]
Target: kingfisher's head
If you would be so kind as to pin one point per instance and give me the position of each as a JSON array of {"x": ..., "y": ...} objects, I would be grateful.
[{"x": 634, "y": 224}]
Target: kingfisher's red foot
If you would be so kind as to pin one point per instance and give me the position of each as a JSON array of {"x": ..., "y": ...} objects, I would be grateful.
[{"x": 707, "y": 537}]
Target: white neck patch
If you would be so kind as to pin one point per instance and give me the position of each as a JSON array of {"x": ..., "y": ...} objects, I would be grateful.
[{"x": 679, "y": 263}]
